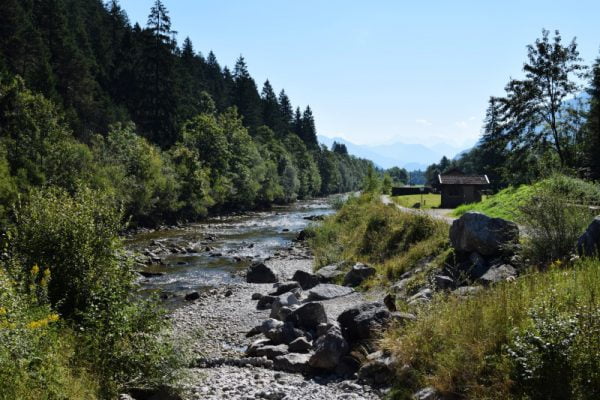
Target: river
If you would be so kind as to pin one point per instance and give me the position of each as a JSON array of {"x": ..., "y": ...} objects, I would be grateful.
[{"x": 220, "y": 248}]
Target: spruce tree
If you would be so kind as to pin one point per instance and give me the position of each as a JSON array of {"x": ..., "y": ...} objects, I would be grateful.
[
  {"x": 286, "y": 113},
  {"x": 270, "y": 107},
  {"x": 592, "y": 127},
  {"x": 246, "y": 96}
]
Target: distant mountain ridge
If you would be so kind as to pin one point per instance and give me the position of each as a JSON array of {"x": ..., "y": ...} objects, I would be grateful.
[{"x": 398, "y": 154}]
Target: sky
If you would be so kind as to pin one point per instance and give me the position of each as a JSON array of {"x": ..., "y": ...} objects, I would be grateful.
[{"x": 382, "y": 71}]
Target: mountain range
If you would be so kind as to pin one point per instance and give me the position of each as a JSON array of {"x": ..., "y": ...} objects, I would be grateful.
[{"x": 398, "y": 154}]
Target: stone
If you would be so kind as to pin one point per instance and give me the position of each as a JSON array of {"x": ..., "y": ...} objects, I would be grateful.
[
  {"x": 257, "y": 296},
  {"x": 306, "y": 279},
  {"x": 265, "y": 302},
  {"x": 293, "y": 362},
  {"x": 284, "y": 300},
  {"x": 498, "y": 274},
  {"x": 300, "y": 345},
  {"x": 282, "y": 332},
  {"x": 253, "y": 348},
  {"x": 476, "y": 232},
  {"x": 427, "y": 393},
  {"x": 269, "y": 351},
  {"x": 328, "y": 349},
  {"x": 377, "y": 371},
  {"x": 403, "y": 317},
  {"x": 358, "y": 274},
  {"x": 443, "y": 282},
  {"x": 400, "y": 286},
  {"x": 390, "y": 302},
  {"x": 270, "y": 324},
  {"x": 364, "y": 321},
  {"x": 228, "y": 293},
  {"x": 192, "y": 296},
  {"x": 309, "y": 315},
  {"x": 589, "y": 243},
  {"x": 327, "y": 291},
  {"x": 330, "y": 273},
  {"x": 284, "y": 287},
  {"x": 476, "y": 266},
  {"x": 423, "y": 294},
  {"x": 260, "y": 273}
]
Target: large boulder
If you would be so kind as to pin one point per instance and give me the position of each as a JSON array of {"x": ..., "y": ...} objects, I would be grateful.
[
  {"x": 293, "y": 362},
  {"x": 330, "y": 273},
  {"x": 327, "y": 291},
  {"x": 329, "y": 348},
  {"x": 364, "y": 321},
  {"x": 378, "y": 370},
  {"x": 300, "y": 345},
  {"x": 589, "y": 243},
  {"x": 284, "y": 300},
  {"x": 308, "y": 316},
  {"x": 305, "y": 279},
  {"x": 358, "y": 274},
  {"x": 476, "y": 232},
  {"x": 260, "y": 273}
]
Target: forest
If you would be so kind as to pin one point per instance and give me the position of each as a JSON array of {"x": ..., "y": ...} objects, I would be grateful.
[{"x": 88, "y": 100}]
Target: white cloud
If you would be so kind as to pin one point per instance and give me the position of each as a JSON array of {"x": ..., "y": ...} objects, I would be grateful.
[
  {"x": 462, "y": 124},
  {"x": 423, "y": 122}
]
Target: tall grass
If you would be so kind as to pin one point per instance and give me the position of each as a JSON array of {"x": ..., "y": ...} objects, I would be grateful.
[
  {"x": 465, "y": 347},
  {"x": 365, "y": 230}
]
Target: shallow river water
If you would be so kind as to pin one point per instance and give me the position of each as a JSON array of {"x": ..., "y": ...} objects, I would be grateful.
[{"x": 233, "y": 242}]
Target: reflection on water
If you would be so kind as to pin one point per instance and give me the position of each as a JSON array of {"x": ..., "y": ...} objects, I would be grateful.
[{"x": 237, "y": 240}]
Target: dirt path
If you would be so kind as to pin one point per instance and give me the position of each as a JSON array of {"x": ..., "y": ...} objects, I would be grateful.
[{"x": 437, "y": 213}]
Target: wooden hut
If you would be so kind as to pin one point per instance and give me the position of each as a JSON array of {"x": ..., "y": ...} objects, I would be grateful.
[{"x": 457, "y": 188}]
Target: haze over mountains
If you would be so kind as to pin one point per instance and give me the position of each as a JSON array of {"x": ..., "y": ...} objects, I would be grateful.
[{"x": 398, "y": 154}]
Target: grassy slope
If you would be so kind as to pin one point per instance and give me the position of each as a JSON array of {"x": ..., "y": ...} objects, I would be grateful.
[
  {"x": 506, "y": 203},
  {"x": 430, "y": 200},
  {"x": 461, "y": 346},
  {"x": 365, "y": 230}
]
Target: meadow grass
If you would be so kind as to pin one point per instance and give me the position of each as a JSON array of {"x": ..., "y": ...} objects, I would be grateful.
[{"x": 430, "y": 200}]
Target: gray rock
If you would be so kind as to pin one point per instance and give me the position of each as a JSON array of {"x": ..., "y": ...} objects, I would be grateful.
[
  {"x": 365, "y": 321},
  {"x": 330, "y": 273},
  {"x": 443, "y": 282},
  {"x": 468, "y": 290},
  {"x": 284, "y": 287},
  {"x": 260, "y": 273},
  {"x": 257, "y": 296},
  {"x": 390, "y": 302},
  {"x": 192, "y": 296},
  {"x": 327, "y": 291},
  {"x": 358, "y": 274},
  {"x": 309, "y": 315},
  {"x": 476, "y": 266},
  {"x": 402, "y": 317},
  {"x": 265, "y": 302},
  {"x": 269, "y": 351},
  {"x": 253, "y": 348},
  {"x": 300, "y": 345},
  {"x": 476, "y": 232},
  {"x": 283, "y": 333},
  {"x": 400, "y": 286},
  {"x": 589, "y": 243},
  {"x": 377, "y": 371},
  {"x": 423, "y": 294},
  {"x": 498, "y": 274},
  {"x": 148, "y": 274},
  {"x": 284, "y": 300},
  {"x": 328, "y": 349},
  {"x": 293, "y": 362},
  {"x": 270, "y": 325},
  {"x": 427, "y": 393},
  {"x": 306, "y": 279}
]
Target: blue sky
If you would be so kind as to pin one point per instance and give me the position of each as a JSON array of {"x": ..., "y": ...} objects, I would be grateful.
[{"x": 382, "y": 71}]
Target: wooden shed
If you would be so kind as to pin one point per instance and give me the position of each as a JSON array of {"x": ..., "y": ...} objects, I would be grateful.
[{"x": 457, "y": 188}]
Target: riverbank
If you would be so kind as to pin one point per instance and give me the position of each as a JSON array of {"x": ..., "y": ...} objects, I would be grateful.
[{"x": 220, "y": 320}]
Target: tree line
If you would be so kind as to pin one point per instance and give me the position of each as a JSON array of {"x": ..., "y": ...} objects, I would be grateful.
[
  {"x": 548, "y": 121},
  {"x": 88, "y": 99}
]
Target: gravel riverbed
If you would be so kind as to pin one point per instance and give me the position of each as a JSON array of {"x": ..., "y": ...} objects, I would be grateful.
[{"x": 215, "y": 326}]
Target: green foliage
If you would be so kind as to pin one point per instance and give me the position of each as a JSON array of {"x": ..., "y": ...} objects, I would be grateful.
[
  {"x": 365, "y": 230},
  {"x": 74, "y": 238},
  {"x": 466, "y": 347}
]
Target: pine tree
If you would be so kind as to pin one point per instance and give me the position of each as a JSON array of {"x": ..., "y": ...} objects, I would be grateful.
[
  {"x": 592, "y": 127},
  {"x": 309, "y": 131},
  {"x": 286, "y": 113},
  {"x": 297, "y": 125},
  {"x": 270, "y": 107},
  {"x": 246, "y": 95}
]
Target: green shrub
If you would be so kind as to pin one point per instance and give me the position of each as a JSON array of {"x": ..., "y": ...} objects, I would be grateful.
[
  {"x": 465, "y": 347},
  {"x": 118, "y": 335},
  {"x": 552, "y": 225}
]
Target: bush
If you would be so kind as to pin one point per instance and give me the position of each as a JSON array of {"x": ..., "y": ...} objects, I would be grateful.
[
  {"x": 552, "y": 225},
  {"x": 118, "y": 335}
]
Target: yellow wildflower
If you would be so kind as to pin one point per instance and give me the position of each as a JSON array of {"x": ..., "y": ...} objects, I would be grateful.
[
  {"x": 35, "y": 270},
  {"x": 3, "y": 310}
]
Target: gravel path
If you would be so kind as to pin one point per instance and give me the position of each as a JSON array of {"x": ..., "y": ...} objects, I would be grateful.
[{"x": 217, "y": 324}]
